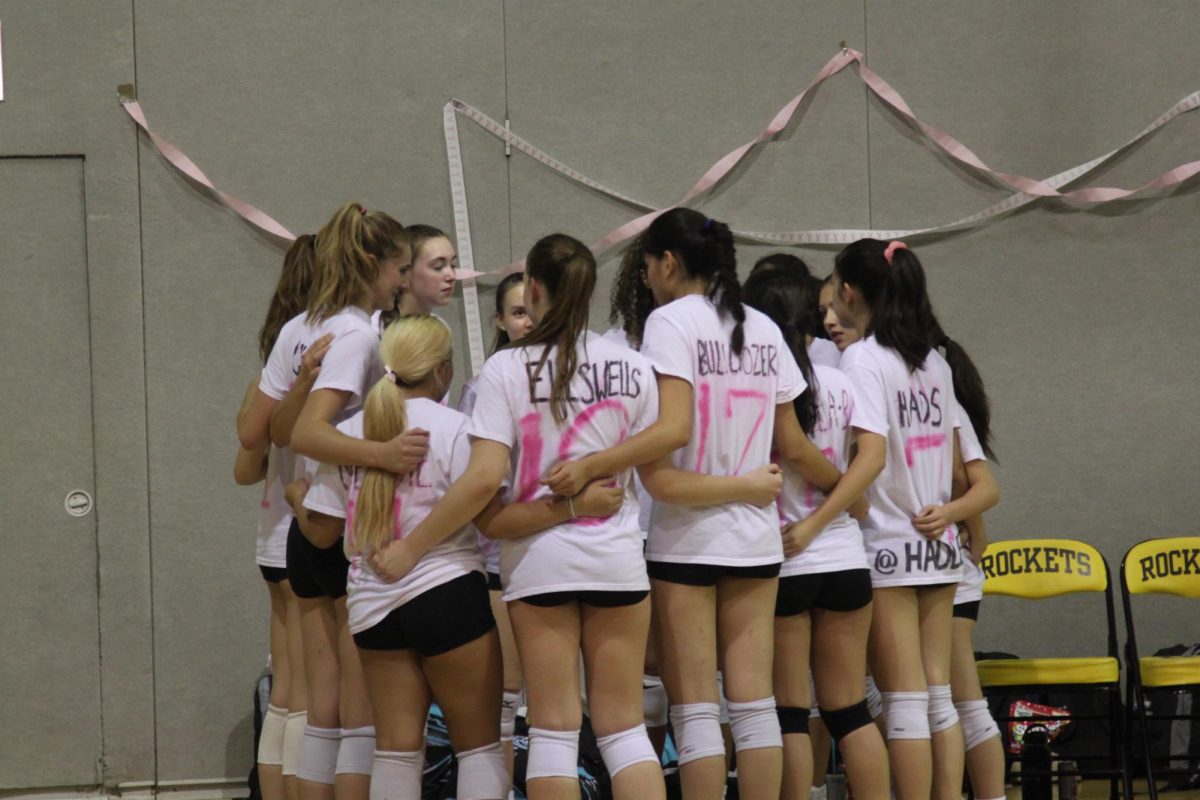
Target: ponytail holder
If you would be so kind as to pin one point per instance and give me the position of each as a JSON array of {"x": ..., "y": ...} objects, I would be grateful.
[
  {"x": 390, "y": 374},
  {"x": 708, "y": 223},
  {"x": 891, "y": 250},
  {"x": 362, "y": 211}
]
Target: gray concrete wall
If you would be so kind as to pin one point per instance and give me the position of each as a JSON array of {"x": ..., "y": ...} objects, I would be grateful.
[{"x": 1082, "y": 321}]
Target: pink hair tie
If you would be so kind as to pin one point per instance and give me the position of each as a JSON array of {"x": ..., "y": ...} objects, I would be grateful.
[
  {"x": 362, "y": 211},
  {"x": 891, "y": 250}
]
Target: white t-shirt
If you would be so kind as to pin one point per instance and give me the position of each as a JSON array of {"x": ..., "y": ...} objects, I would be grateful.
[
  {"x": 351, "y": 364},
  {"x": 733, "y": 422},
  {"x": 824, "y": 353},
  {"x": 917, "y": 413},
  {"x": 613, "y": 396},
  {"x": 840, "y": 545},
  {"x": 488, "y": 548},
  {"x": 970, "y": 588},
  {"x": 335, "y": 491},
  {"x": 275, "y": 515}
]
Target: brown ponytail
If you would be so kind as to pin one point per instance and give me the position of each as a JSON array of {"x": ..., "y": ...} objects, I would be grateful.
[
  {"x": 291, "y": 292},
  {"x": 348, "y": 251}
]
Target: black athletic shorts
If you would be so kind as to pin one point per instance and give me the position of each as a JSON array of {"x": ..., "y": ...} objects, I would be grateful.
[
  {"x": 967, "y": 610},
  {"x": 434, "y": 622},
  {"x": 706, "y": 574},
  {"x": 493, "y": 582},
  {"x": 599, "y": 599},
  {"x": 844, "y": 590},
  {"x": 273, "y": 574},
  {"x": 314, "y": 572}
]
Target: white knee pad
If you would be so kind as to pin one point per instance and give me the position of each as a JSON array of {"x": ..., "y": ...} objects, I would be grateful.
[
  {"x": 357, "y": 751},
  {"x": 508, "y": 714},
  {"x": 755, "y": 724},
  {"x": 874, "y": 699},
  {"x": 977, "y": 722},
  {"x": 553, "y": 754},
  {"x": 907, "y": 715},
  {"x": 293, "y": 739},
  {"x": 482, "y": 773},
  {"x": 697, "y": 731},
  {"x": 270, "y": 740},
  {"x": 722, "y": 703},
  {"x": 319, "y": 754},
  {"x": 654, "y": 702},
  {"x": 626, "y": 748},
  {"x": 942, "y": 714},
  {"x": 397, "y": 775}
]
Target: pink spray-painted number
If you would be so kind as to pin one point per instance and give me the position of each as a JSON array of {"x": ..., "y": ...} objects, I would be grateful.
[
  {"x": 747, "y": 394},
  {"x": 569, "y": 436},
  {"x": 915, "y": 444},
  {"x": 704, "y": 408},
  {"x": 531, "y": 456}
]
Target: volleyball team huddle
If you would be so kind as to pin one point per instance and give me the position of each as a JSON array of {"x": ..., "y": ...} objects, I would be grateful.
[{"x": 742, "y": 480}]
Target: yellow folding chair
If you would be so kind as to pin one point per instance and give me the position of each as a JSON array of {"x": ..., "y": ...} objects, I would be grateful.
[
  {"x": 1159, "y": 566},
  {"x": 1041, "y": 569}
]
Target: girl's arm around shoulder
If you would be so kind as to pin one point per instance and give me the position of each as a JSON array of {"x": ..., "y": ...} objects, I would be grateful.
[
  {"x": 316, "y": 437},
  {"x": 799, "y": 453}
]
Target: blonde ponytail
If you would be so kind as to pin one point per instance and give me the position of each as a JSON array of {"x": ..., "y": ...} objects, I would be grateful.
[
  {"x": 412, "y": 348},
  {"x": 347, "y": 255}
]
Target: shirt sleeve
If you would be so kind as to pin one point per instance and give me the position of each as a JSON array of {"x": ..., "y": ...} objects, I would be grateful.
[
  {"x": 648, "y": 410},
  {"x": 968, "y": 441},
  {"x": 870, "y": 395},
  {"x": 329, "y": 490},
  {"x": 466, "y": 401},
  {"x": 277, "y": 376},
  {"x": 791, "y": 380},
  {"x": 491, "y": 417},
  {"x": 349, "y": 364},
  {"x": 665, "y": 346}
]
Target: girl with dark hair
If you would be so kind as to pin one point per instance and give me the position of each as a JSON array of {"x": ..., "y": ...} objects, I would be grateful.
[
  {"x": 561, "y": 392},
  {"x": 823, "y": 611},
  {"x": 428, "y": 283},
  {"x": 905, "y": 415},
  {"x": 726, "y": 381}
]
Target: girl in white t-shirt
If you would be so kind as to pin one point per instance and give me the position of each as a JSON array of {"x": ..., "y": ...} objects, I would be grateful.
[
  {"x": 824, "y": 602},
  {"x": 283, "y": 727},
  {"x": 906, "y": 414},
  {"x": 820, "y": 350},
  {"x": 359, "y": 257},
  {"x": 428, "y": 284},
  {"x": 726, "y": 381},
  {"x": 512, "y": 322},
  {"x": 560, "y": 393}
]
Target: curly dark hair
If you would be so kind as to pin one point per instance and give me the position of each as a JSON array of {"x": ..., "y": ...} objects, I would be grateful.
[{"x": 630, "y": 300}]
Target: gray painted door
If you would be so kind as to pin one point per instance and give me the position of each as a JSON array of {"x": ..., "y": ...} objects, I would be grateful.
[{"x": 50, "y": 734}]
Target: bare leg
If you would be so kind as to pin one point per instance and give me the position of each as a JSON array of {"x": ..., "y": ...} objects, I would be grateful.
[
  {"x": 548, "y": 641},
  {"x": 897, "y": 667},
  {"x": 353, "y": 703},
  {"x": 839, "y": 660},
  {"x": 746, "y": 637},
  {"x": 512, "y": 660},
  {"x": 614, "y": 641},
  {"x": 322, "y": 677},
  {"x": 936, "y": 609},
  {"x": 400, "y": 703},
  {"x": 297, "y": 686},
  {"x": 270, "y": 776},
  {"x": 985, "y": 761},
  {"x": 791, "y": 689},
  {"x": 685, "y": 624}
]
